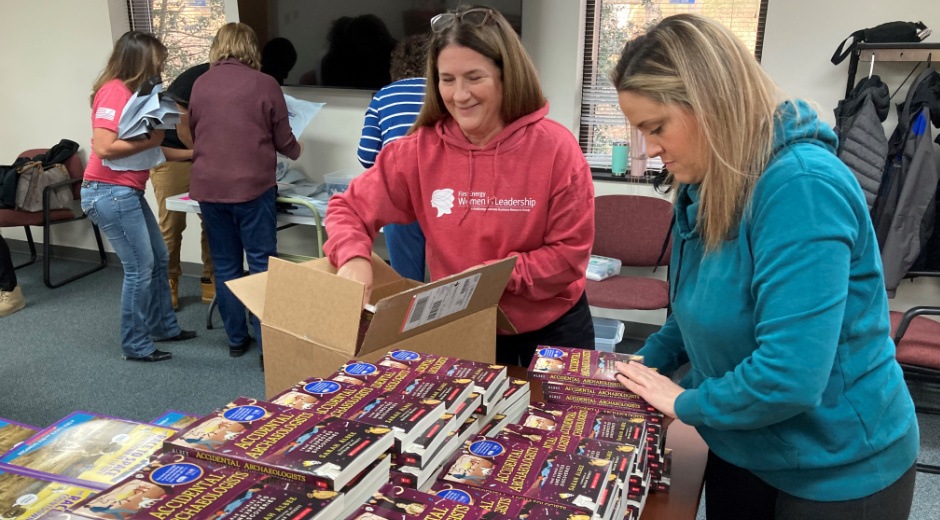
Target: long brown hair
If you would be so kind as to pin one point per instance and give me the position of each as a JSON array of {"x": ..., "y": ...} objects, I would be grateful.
[
  {"x": 136, "y": 57},
  {"x": 495, "y": 39},
  {"x": 695, "y": 62}
]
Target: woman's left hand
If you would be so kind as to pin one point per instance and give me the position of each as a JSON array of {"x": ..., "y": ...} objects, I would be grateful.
[{"x": 657, "y": 389}]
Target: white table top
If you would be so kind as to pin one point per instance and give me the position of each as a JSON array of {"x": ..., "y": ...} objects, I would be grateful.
[{"x": 184, "y": 203}]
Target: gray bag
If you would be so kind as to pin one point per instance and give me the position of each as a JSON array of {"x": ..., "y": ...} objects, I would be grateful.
[{"x": 33, "y": 180}]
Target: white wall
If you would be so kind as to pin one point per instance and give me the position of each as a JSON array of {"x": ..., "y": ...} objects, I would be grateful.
[{"x": 49, "y": 71}]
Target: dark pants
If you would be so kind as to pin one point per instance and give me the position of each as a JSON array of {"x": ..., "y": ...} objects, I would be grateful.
[
  {"x": 405, "y": 244},
  {"x": 734, "y": 493},
  {"x": 239, "y": 231},
  {"x": 7, "y": 274},
  {"x": 573, "y": 329}
]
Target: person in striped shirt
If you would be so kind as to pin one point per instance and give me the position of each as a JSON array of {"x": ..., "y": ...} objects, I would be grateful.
[{"x": 390, "y": 115}]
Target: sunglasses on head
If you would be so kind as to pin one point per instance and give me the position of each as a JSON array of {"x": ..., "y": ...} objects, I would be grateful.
[{"x": 475, "y": 17}]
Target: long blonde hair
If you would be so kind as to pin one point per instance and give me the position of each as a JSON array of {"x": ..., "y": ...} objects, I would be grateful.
[
  {"x": 136, "y": 57},
  {"x": 238, "y": 41},
  {"x": 498, "y": 41},
  {"x": 695, "y": 62}
]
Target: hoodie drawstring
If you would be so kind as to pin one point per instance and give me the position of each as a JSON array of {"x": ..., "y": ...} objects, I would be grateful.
[
  {"x": 492, "y": 192},
  {"x": 469, "y": 187}
]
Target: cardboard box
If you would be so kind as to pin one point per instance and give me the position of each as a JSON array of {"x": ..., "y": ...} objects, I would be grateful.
[{"x": 310, "y": 318}]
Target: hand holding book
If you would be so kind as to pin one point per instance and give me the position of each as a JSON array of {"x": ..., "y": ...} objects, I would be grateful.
[{"x": 657, "y": 389}]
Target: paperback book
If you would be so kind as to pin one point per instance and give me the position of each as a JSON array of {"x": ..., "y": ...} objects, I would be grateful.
[
  {"x": 423, "y": 475},
  {"x": 401, "y": 503},
  {"x": 425, "y": 446},
  {"x": 486, "y": 378},
  {"x": 318, "y": 450},
  {"x": 12, "y": 433},
  {"x": 602, "y": 397},
  {"x": 511, "y": 506},
  {"x": 88, "y": 450},
  {"x": 452, "y": 391},
  {"x": 174, "y": 487},
  {"x": 27, "y": 497},
  {"x": 578, "y": 366},
  {"x": 531, "y": 471},
  {"x": 174, "y": 420},
  {"x": 408, "y": 417},
  {"x": 327, "y": 397},
  {"x": 380, "y": 377}
]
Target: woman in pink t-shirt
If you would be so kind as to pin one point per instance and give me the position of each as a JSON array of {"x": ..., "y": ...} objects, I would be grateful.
[{"x": 114, "y": 201}]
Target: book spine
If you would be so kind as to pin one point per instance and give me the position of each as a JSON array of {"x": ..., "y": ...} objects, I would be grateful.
[
  {"x": 575, "y": 380},
  {"x": 553, "y": 396},
  {"x": 259, "y": 468}
]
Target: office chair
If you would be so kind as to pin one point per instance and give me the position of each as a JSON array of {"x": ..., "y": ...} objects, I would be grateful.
[
  {"x": 918, "y": 352},
  {"x": 633, "y": 229},
  {"x": 47, "y": 218}
]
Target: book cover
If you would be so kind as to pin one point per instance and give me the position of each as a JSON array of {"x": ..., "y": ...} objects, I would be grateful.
[
  {"x": 615, "y": 396},
  {"x": 13, "y": 433},
  {"x": 508, "y": 505},
  {"x": 486, "y": 377},
  {"x": 174, "y": 487},
  {"x": 409, "y": 504},
  {"x": 406, "y": 416},
  {"x": 605, "y": 404},
  {"x": 327, "y": 397},
  {"x": 452, "y": 391},
  {"x": 27, "y": 497},
  {"x": 89, "y": 450},
  {"x": 585, "y": 422},
  {"x": 518, "y": 389},
  {"x": 381, "y": 377},
  {"x": 174, "y": 420},
  {"x": 578, "y": 366},
  {"x": 531, "y": 471},
  {"x": 319, "y": 450},
  {"x": 430, "y": 470}
]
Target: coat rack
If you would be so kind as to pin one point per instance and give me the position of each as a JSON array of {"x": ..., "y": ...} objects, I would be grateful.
[{"x": 872, "y": 52}]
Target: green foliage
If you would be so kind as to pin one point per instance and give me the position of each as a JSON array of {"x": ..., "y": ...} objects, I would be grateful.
[{"x": 186, "y": 27}]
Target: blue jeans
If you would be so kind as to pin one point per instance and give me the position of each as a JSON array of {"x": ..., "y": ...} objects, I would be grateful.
[
  {"x": 126, "y": 220},
  {"x": 405, "y": 245},
  {"x": 238, "y": 231}
]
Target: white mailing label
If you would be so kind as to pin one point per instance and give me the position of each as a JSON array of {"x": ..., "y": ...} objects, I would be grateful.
[{"x": 440, "y": 302}]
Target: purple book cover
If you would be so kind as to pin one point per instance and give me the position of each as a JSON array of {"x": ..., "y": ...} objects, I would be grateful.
[
  {"x": 326, "y": 397},
  {"x": 530, "y": 471},
  {"x": 508, "y": 505},
  {"x": 594, "y": 392},
  {"x": 517, "y": 388},
  {"x": 88, "y": 450},
  {"x": 603, "y": 403},
  {"x": 175, "y": 420},
  {"x": 407, "y": 416},
  {"x": 398, "y": 478},
  {"x": 380, "y": 377},
  {"x": 577, "y": 366},
  {"x": 486, "y": 377},
  {"x": 452, "y": 391},
  {"x": 288, "y": 443},
  {"x": 402, "y": 503},
  {"x": 12, "y": 433},
  {"x": 585, "y": 422},
  {"x": 24, "y": 496}
]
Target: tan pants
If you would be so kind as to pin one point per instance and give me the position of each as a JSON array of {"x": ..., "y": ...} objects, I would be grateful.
[{"x": 169, "y": 179}]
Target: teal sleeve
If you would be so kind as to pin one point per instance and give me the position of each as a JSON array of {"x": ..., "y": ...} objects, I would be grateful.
[
  {"x": 800, "y": 237},
  {"x": 665, "y": 350}
]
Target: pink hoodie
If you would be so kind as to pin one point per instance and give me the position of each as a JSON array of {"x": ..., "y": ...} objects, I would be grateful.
[{"x": 527, "y": 193}]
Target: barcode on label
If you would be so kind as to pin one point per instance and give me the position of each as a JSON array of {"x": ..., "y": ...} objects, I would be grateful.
[{"x": 441, "y": 302}]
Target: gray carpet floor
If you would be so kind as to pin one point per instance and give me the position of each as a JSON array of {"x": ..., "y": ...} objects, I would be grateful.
[{"x": 62, "y": 353}]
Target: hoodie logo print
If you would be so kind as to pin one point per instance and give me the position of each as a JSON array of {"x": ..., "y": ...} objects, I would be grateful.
[{"x": 443, "y": 201}]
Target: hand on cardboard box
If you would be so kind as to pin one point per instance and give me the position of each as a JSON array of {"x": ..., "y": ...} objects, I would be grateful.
[{"x": 360, "y": 270}]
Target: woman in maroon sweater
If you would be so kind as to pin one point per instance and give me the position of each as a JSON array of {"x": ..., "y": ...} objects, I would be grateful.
[{"x": 239, "y": 122}]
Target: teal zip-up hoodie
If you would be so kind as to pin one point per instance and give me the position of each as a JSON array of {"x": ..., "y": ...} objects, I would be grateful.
[{"x": 786, "y": 326}]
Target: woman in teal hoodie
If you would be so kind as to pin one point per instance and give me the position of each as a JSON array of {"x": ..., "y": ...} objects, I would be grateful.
[{"x": 777, "y": 293}]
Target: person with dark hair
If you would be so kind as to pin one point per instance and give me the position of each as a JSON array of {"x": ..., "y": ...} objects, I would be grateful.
[
  {"x": 489, "y": 177},
  {"x": 391, "y": 113},
  {"x": 172, "y": 178},
  {"x": 278, "y": 57},
  {"x": 239, "y": 122},
  {"x": 114, "y": 201},
  {"x": 359, "y": 53},
  {"x": 778, "y": 296},
  {"x": 11, "y": 296}
]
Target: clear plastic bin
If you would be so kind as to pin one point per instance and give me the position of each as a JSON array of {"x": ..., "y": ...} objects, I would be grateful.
[
  {"x": 338, "y": 182},
  {"x": 607, "y": 333}
]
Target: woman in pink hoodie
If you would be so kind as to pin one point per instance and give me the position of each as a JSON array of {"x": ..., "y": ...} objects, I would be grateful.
[{"x": 488, "y": 177}]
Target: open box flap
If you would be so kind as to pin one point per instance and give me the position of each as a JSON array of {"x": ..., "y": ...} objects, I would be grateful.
[
  {"x": 412, "y": 312},
  {"x": 312, "y": 302},
  {"x": 251, "y": 290}
]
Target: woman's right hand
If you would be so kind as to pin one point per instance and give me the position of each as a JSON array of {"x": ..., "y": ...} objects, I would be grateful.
[{"x": 360, "y": 270}]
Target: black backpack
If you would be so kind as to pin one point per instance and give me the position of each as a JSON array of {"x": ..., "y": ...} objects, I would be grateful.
[
  {"x": 891, "y": 32},
  {"x": 7, "y": 187}
]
